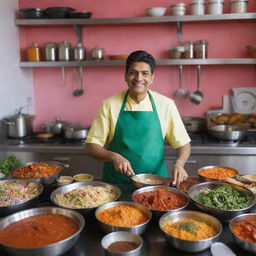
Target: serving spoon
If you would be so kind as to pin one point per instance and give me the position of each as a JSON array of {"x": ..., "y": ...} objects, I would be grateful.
[
  {"x": 197, "y": 96},
  {"x": 180, "y": 93}
]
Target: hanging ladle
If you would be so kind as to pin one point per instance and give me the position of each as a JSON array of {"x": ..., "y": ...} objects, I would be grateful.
[
  {"x": 180, "y": 93},
  {"x": 79, "y": 91},
  {"x": 197, "y": 96}
]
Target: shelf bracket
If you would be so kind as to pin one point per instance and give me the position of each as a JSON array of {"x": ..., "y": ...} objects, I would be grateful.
[
  {"x": 78, "y": 28},
  {"x": 179, "y": 31}
]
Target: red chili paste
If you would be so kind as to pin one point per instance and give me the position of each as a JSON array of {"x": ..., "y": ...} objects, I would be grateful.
[{"x": 39, "y": 230}]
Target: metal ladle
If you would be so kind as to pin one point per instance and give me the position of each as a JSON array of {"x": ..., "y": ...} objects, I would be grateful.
[
  {"x": 197, "y": 96},
  {"x": 180, "y": 93},
  {"x": 79, "y": 91}
]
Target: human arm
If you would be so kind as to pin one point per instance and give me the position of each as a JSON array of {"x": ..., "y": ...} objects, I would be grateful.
[
  {"x": 179, "y": 174},
  {"x": 120, "y": 163}
]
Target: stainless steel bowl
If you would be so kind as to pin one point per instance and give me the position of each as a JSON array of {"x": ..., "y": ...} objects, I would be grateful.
[
  {"x": 143, "y": 180},
  {"x": 224, "y": 215},
  {"x": 7, "y": 210},
  {"x": 227, "y": 132},
  {"x": 70, "y": 187},
  {"x": 54, "y": 249},
  {"x": 185, "y": 245},
  {"x": 113, "y": 237},
  {"x": 214, "y": 166},
  {"x": 48, "y": 179},
  {"x": 138, "y": 229},
  {"x": 250, "y": 247},
  {"x": 159, "y": 213}
]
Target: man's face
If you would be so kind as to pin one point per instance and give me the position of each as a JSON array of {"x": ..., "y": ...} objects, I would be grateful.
[{"x": 139, "y": 78}]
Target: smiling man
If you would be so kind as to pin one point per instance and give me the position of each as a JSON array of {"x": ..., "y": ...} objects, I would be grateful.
[{"x": 134, "y": 124}]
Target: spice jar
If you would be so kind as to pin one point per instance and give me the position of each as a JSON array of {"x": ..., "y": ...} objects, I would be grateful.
[
  {"x": 176, "y": 52},
  {"x": 238, "y": 6},
  {"x": 215, "y": 7},
  {"x": 197, "y": 7},
  {"x": 178, "y": 9},
  {"x": 201, "y": 49},
  {"x": 188, "y": 50},
  {"x": 33, "y": 52}
]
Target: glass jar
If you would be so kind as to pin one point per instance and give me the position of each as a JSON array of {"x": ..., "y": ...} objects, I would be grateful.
[
  {"x": 201, "y": 49},
  {"x": 33, "y": 52},
  {"x": 238, "y": 6},
  {"x": 215, "y": 7},
  {"x": 188, "y": 50},
  {"x": 176, "y": 52},
  {"x": 178, "y": 9}
]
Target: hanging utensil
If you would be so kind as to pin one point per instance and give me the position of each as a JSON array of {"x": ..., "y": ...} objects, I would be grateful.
[
  {"x": 197, "y": 96},
  {"x": 79, "y": 91},
  {"x": 180, "y": 93},
  {"x": 63, "y": 75}
]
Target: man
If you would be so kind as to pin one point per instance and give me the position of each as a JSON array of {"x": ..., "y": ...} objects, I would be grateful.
[{"x": 134, "y": 124}]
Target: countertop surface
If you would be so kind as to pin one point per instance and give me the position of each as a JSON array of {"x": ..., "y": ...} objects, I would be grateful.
[{"x": 155, "y": 244}]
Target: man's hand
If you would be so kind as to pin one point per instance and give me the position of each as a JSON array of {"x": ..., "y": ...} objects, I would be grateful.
[
  {"x": 179, "y": 173},
  {"x": 122, "y": 165}
]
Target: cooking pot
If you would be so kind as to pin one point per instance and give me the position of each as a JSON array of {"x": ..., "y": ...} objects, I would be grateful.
[
  {"x": 75, "y": 133},
  {"x": 227, "y": 132},
  {"x": 19, "y": 125},
  {"x": 56, "y": 127},
  {"x": 194, "y": 124}
]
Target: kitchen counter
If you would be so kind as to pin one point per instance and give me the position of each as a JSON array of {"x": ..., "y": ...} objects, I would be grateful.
[{"x": 155, "y": 243}]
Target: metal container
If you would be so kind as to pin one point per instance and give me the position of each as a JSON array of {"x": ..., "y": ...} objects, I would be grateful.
[
  {"x": 50, "y": 51},
  {"x": 70, "y": 187},
  {"x": 64, "y": 51},
  {"x": 158, "y": 213},
  {"x": 144, "y": 180},
  {"x": 227, "y": 132},
  {"x": 238, "y": 6},
  {"x": 186, "y": 245},
  {"x": 178, "y": 9},
  {"x": 19, "y": 125},
  {"x": 58, "y": 126},
  {"x": 113, "y": 237},
  {"x": 75, "y": 133},
  {"x": 201, "y": 49},
  {"x": 53, "y": 249},
  {"x": 97, "y": 53},
  {"x": 47, "y": 179},
  {"x": 194, "y": 123},
  {"x": 33, "y": 13},
  {"x": 221, "y": 214},
  {"x": 79, "y": 52},
  {"x": 247, "y": 246},
  {"x": 215, "y": 7},
  {"x": 138, "y": 229},
  {"x": 26, "y": 204}
]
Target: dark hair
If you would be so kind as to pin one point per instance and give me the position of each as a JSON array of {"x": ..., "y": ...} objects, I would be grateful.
[{"x": 140, "y": 56}]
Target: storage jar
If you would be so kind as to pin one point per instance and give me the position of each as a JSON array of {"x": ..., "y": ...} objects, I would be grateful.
[
  {"x": 79, "y": 52},
  {"x": 201, "y": 49},
  {"x": 176, "y": 52},
  {"x": 178, "y": 9},
  {"x": 50, "y": 51},
  {"x": 33, "y": 52},
  {"x": 197, "y": 7},
  {"x": 188, "y": 50},
  {"x": 64, "y": 51},
  {"x": 238, "y": 6},
  {"x": 215, "y": 7}
]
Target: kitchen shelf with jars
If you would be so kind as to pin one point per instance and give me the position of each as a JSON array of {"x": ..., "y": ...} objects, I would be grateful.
[{"x": 179, "y": 20}]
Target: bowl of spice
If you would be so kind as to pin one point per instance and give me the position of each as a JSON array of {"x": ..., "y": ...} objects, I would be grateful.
[
  {"x": 161, "y": 199},
  {"x": 222, "y": 200},
  {"x": 243, "y": 229},
  {"x": 188, "y": 183},
  {"x": 213, "y": 173},
  {"x": 122, "y": 243},
  {"x": 143, "y": 180},
  {"x": 83, "y": 177},
  {"x": 190, "y": 231},
  {"x": 123, "y": 216}
]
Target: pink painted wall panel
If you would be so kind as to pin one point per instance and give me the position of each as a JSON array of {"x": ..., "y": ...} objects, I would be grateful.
[{"x": 52, "y": 98}]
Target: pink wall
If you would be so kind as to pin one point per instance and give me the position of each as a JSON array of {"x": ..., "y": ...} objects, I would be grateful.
[{"x": 226, "y": 40}]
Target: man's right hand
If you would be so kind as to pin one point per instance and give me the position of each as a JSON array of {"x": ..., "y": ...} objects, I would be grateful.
[{"x": 122, "y": 165}]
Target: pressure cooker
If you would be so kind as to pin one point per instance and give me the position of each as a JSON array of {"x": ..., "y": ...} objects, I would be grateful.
[{"x": 19, "y": 125}]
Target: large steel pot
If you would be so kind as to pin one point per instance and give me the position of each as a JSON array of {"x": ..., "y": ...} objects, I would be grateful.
[
  {"x": 194, "y": 123},
  {"x": 19, "y": 125},
  {"x": 54, "y": 249},
  {"x": 75, "y": 133},
  {"x": 227, "y": 132}
]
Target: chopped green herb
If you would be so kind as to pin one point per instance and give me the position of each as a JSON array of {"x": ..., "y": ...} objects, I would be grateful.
[
  {"x": 8, "y": 163},
  {"x": 189, "y": 226}
]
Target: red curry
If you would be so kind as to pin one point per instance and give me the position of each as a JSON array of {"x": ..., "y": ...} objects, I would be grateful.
[
  {"x": 39, "y": 230},
  {"x": 161, "y": 199}
]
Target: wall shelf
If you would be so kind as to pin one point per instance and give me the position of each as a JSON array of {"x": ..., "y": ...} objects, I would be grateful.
[
  {"x": 163, "y": 62},
  {"x": 136, "y": 20}
]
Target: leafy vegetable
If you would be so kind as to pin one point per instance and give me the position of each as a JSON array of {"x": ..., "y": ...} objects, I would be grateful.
[
  {"x": 224, "y": 197},
  {"x": 8, "y": 163}
]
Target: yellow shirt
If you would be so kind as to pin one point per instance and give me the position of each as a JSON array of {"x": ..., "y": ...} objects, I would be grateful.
[{"x": 103, "y": 126}]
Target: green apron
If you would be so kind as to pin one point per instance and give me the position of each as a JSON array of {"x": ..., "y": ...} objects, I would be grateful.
[{"x": 138, "y": 138}]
